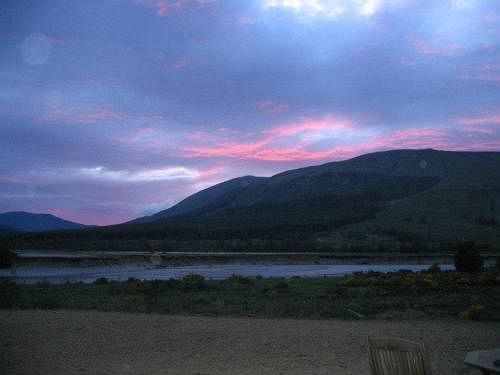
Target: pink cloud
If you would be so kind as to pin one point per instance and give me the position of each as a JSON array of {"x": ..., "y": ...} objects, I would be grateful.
[
  {"x": 407, "y": 62},
  {"x": 292, "y": 142},
  {"x": 268, "y": 106},
  {"x": 179, "y": 64},
  {"x": 147, "y": 138},
  {"x": 296, "y": 141},
  {"x": 99, "y": 115},
  {"x": 88, "y": 218},
  {"x": 211, "y": 172},
  {"x": 164, "y": 7},
  {"x": 243, "y": 19},
  {"x": 81, "y": 116},
  {"x": 483, "y": 72},
  {"x": 423, "y": 47},
  {"x": 482, "y": 120},
  {"x": 264, "y": 146},
  {"x": 481, "y": 77},
  {"x": 310, "y": 125}
]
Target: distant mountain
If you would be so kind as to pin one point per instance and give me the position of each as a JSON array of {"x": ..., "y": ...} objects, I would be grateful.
[
  {"x": 386, "y": 199},
  {"x": 202, "y": 198},
  {"x": 20, "y": 221}
]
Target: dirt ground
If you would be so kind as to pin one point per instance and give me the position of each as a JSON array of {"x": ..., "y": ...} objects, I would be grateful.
[{"x": 67, "y": 342}]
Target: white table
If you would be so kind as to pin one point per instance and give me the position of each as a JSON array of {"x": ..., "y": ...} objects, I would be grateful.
[{"x": 488, "y": 361}]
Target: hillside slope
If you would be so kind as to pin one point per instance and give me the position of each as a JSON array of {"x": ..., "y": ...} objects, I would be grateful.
[{"x": 202, "y": 198}]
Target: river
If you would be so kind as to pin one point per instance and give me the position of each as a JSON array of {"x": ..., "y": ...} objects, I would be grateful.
[{"x": 59, "y": 274}]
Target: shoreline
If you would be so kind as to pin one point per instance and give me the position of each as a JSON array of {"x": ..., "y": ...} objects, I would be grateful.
[{"x": 173, "y": 259}]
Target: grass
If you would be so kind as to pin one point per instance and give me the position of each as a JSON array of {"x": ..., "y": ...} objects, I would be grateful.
[{"x": 401, "y": 295}]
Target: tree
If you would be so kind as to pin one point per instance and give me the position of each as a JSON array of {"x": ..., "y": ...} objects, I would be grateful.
[
  {"x": 6, "y": 257},
  {"x": 468, "y": 258}
]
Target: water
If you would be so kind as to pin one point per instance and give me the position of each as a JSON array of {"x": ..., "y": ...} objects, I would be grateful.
[{"x": 62, "y": 274}]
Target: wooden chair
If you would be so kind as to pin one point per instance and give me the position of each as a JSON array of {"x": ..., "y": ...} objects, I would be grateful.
[{"x": 389, "y": 356}]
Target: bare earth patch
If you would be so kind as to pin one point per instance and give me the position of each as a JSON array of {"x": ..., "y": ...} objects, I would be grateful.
[{"x": 67, "y": 342}]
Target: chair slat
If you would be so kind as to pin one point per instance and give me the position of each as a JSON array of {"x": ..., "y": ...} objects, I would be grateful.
[{"x": 389, "y": 356}]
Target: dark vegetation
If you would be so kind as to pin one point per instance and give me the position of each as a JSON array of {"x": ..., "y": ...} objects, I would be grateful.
[
  {"x": 468, "y": 258},
  {"x": 6, "y": 257},
  {"x": 401, "y": 295}
]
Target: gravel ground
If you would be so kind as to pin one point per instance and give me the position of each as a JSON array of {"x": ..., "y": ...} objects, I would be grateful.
[{"x": 67, "y": 342}]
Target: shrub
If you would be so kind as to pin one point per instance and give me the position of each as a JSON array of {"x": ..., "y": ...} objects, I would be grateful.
[
  {"x": 468, "y": 258},
  {"x": 101, "y": 281},
  {"x": 434, "y": 268},
  {"x": 339, "y": 291},
  {"x": 474, "y": 312},
  {"x": 195, "y": 281},
  {"x": 235, "y": 278},
  {"x": 193, "y": 278},
  {"x": 282, "y": 285},
  {"x": 6, "y": 257}
]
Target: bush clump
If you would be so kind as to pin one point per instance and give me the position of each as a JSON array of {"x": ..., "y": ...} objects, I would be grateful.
[
  {"x": 281, "y": 285},
  {"x": 193, "y": 280},
  {"x": 468, "y": 258},
  {"x": 6, "y": 257},
  {"x": 101, "y": 281},
  {"x": 235, "y": 278},
  {"x": 474, "y": 312},
  {"x": 434, "y": 268}
]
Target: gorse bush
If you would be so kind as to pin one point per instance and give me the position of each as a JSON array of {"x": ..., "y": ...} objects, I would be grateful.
[
  {"x": 474, "y": 312},
  {"x": 434, "y": 268},
  {"x": 193, "y": 278},
  {"x": 235, "y": 278},
  {"x": 194, "y": 281},
  {"x": 101, "y": 280},
  {"x": 468, "y": 258},
  {"x": 281, "y": 285}
]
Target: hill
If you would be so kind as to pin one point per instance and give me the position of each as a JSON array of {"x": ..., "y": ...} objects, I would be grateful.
[
  {"x": 201, "y": 198},
  {"x": 29, "y": 222},
  {"x": 393, "y": 200}
]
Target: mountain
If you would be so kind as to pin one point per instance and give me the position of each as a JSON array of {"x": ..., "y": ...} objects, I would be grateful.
[
  {"x": 393, "y": 199},
  {"x": 202, "y": 198},
  {"x": 29, "y": 222},
  {"x": 391, "y": 174}
]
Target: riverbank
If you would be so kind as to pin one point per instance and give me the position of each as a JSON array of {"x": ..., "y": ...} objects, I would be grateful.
[
  {"x": 175, "y": 259},
  {"x": 399, "y": 295},
  {"x": 69, "y": 342},
  {"x": 61, "y": 273}
]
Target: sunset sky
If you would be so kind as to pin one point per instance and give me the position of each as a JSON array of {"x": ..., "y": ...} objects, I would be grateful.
[{"x": 110, "y": 110}]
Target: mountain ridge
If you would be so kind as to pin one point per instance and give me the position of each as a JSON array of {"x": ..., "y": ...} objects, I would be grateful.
[
  {"x": 22, "y": 221},
  {"x": 423, "y": 163}
]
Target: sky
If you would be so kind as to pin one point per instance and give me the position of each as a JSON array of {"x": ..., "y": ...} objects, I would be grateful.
[{"x": 115, "y": 109}]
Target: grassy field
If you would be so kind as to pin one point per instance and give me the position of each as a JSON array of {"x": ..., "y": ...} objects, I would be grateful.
[{"x": 402, "y": 295}]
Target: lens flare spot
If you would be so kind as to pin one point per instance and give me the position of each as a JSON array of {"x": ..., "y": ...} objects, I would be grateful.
[{"x": 36, "y": 49}]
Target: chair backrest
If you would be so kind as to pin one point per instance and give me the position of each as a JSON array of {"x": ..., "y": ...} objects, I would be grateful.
[{"x": 389, "y": 356}]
